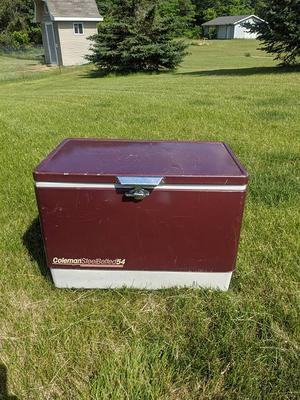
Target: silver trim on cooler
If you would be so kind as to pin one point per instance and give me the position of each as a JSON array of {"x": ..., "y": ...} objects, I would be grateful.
[
  {"x": 77, "y": 185},
  {"x": 144, "y": 181}
]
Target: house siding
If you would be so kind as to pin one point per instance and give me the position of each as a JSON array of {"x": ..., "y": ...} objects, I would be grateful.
[
  {"x": 75, "y": 47},
  {"x": 221, "y": 32},
  {"x": 230, "y": 28},
  {"x": 241, "y": 32},
  {"x": 225, "y": 32}
]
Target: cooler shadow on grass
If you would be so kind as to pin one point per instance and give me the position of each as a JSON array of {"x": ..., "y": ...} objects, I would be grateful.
[
  {"x": 3, "y": 385},
  {"x": 33, "y": 241},
  {"x": 243, "y": 71}
]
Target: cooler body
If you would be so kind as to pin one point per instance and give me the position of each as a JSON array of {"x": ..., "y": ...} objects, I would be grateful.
[{"x": 146, "y": 230}]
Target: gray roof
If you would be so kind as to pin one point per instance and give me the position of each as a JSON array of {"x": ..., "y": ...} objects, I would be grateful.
[
  {"x": 73, "y": 8},
  {"x": 228, "y": 20}
]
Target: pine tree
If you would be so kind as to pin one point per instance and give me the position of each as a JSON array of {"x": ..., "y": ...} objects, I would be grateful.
[
  {"x": 280, "y": 34},
  {"x": 136, "y": 38},
  {"x": 182, "y": 13}
]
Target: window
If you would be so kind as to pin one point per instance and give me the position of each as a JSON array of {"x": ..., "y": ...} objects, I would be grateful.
[{"x": 78, "y": 28}]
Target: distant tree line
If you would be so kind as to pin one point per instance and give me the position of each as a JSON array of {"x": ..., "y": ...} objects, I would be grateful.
[
  {"x": 280, "y": 35},
  {"x": 17, "y": 28},
  {"x": 188, "y": 15}
]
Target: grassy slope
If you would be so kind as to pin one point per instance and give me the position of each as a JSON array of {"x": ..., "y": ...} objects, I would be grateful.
[
  {"x": 20, "y": 68},
  {"x": 172, "y": 344}
]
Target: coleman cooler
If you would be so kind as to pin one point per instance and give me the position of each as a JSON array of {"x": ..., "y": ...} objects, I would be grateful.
[{"x": 142, "y": 214}]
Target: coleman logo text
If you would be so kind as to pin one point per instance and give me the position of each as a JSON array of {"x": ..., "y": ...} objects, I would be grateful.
[{"x": 90, "y": 262}]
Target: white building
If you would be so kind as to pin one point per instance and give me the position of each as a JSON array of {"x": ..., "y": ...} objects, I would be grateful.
[
  {"x": 232, "y": 27},
  {"x": 66, "y": 27}
]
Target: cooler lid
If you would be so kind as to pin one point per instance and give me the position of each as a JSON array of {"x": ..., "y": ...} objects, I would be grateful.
[{"x": 95, "y": 160}]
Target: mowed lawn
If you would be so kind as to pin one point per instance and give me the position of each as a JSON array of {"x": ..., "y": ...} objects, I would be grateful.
[
  {"x": 12, "y": 68},
  {"x": 177, "y": 344}
]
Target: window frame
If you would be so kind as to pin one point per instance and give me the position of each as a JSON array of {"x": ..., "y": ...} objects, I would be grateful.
[{"x": 79, "y": 33}]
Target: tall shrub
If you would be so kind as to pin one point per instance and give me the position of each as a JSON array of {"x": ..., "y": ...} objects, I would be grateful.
[
  {"x": 16, "y": 26},
  {"x": 136, "y": 38},
  {"x": 280, "y": 34}
]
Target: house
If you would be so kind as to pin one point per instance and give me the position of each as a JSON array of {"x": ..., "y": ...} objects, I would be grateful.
[
  {"x": 232, "y": 27},
  {"x": 66, "y": 27}
]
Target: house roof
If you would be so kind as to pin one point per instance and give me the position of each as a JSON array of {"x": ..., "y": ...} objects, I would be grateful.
[
  {"x": 73, "y": 10},
  {"x": 229, "y": 20}
]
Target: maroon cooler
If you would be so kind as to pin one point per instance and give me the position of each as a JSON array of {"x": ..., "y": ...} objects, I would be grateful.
[{"x": 142, "y": 214}]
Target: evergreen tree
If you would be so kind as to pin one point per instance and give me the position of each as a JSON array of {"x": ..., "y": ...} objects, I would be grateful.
[
  {"x": 182, "y": 13},
  {"x": 105, "y": 7},
  {"x": 136, "y": 38},
  {"x": 280, "y": 33}
]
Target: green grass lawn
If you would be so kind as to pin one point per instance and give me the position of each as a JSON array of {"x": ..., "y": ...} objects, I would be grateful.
[
  {"x": 21, "y": 64},
  {"x": 170, "y": 344}
]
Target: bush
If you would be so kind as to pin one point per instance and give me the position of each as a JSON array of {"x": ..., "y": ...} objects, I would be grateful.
[
  {"x": 197, "y": 32},
  {"x": 16, "y": 27},
  {"x": 35, "y": 35},
  {"x": 136, "y": 38},
  {"x": 14, "y": 40},
  {"x": 280, "y": 33},
  {"x": 212, "y": 33},
  {"x": 20, "y": 39},
  {"x": 5, "y": 40}
]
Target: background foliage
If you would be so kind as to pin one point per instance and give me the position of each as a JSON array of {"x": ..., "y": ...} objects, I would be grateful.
[
  {"x": 281, "y": 33},
  {"x": 17, "y": 28}
]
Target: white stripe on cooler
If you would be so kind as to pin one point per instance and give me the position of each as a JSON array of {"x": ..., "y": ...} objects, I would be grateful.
[
  {"x": 77, "y": 185},
  {"x": 93, "y": 279}
]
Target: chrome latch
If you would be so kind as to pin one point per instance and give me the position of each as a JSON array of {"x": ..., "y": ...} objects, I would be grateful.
[
  {"x": 138, "y": 185},
  {"x": 137, "y": 193}
]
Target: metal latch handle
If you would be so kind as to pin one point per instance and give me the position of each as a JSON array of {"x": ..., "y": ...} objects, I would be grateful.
[
  {"x": 139, "y": 181},
  {"x": 137, "y": 193},
  {"x": 138, "y": 185}
]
